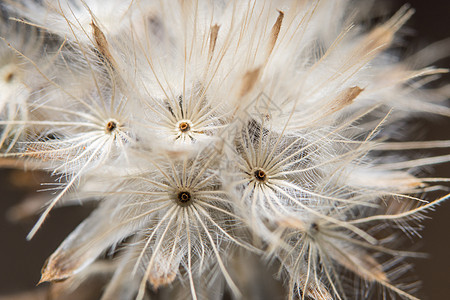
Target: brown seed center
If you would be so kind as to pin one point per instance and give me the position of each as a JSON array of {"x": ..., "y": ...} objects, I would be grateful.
[
  {"x": 184, "y": 197},
  {"x": 9, "y": 77},
  {"x": 184, "y": 127},
  {"x": 315, "y": 227},
  {"x": 110, "y": 126},
  {"x": 260, "y": 175}
]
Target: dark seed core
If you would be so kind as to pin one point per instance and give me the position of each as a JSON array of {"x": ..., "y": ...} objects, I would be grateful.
[
  {"x": 260, "y": 175},
  {"x": 9, "y": 77},
  {"x": 184, "y": 197},
  {"x": 111, "y": 126},
  {"x": 184, "y": 127}
]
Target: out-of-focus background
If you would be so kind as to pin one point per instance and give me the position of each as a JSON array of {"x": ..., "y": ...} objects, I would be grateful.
[
  {"x": 431, "y": 23},
  {"x": 21, "y": 261}
]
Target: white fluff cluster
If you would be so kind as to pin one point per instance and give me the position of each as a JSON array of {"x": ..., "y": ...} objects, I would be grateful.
[{"x": 204, "y": 127}]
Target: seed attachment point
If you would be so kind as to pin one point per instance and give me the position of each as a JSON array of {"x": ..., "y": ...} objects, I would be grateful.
[
  {"x": 111, "y": 126},
  {"x": 184, "y": 126},
  {"x": 260, "y": 175},
  {"x": 184, "y": 197},
  {"x": 9, "y": 77}
]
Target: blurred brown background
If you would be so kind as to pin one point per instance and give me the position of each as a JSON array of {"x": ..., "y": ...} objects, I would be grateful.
[
  {"x": 21, "y": 261},
  {"x": 431, "y": 23}
]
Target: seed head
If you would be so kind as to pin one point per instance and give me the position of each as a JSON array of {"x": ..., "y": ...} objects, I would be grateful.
[{"x": 201, "y": 127}]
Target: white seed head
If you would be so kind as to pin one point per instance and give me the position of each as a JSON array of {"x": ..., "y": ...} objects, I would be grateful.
[{"x": 200, "y": 127}]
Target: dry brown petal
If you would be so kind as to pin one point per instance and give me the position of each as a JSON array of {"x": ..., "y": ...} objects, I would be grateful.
[
  {"x": 102, "y": 43},
  {"x": 249, "y": 81},
  {"x": 275, "y": 32}
]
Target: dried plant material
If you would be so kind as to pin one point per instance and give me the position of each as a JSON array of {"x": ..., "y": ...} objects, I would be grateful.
[
  {"x": 363, "y": 265},
  {"x": 275, "y": 32},
  {"x": 158, "y": 281},
  {"x": 213, "y": 40},
  {"x": 380, "y": 38},
  {"x": 87, "y": 285},
  {"x": 314, "y": 290},
  {"x": 57, "y": 268},
  {"x": 206, "y": 130},
  {"x": 249, "y": 80},
  {"x": 101, "y": 43},
  {"x": 346, "y": 98},
  {"x": 341, "y": 101}
]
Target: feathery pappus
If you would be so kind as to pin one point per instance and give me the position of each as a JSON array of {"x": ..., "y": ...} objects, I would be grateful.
[{"x": 221, "y": 135}]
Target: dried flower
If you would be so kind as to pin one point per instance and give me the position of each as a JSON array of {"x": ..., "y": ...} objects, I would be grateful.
[{"x": 206, "y": 128}]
